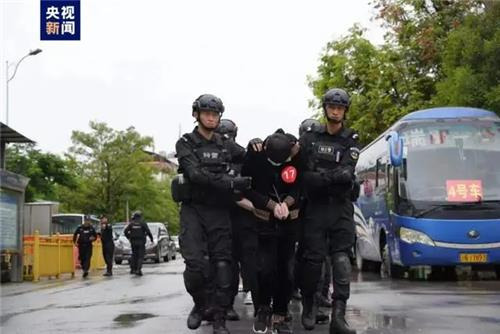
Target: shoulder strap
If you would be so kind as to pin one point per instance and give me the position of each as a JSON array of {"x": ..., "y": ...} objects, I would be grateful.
[{"x": 192, "y": 138}]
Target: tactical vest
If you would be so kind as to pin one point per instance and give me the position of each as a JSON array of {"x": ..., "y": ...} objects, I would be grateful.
[
  {"x": 215, "y": 158},
  {"x": 136, "y": 231},
  {"x": 85, "y": 234},
  {"x": 327, "y": 154}
]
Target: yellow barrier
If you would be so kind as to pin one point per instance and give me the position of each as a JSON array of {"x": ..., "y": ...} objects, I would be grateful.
[{"x": 54, "y": 255}]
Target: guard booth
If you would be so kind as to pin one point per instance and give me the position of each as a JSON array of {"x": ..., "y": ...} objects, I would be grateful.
[{"x": 12, "y": 188}]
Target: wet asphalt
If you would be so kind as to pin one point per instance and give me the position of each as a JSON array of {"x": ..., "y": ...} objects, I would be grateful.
[{"x": 158, "y": 303}]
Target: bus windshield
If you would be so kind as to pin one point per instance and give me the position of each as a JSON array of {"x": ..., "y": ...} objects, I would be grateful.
[{"x": 451, "y": 161}]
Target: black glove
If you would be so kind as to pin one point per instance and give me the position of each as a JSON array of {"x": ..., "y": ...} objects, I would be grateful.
[
  {"x": 255, "y": 145},
  {"x": 241, "y": 183}
]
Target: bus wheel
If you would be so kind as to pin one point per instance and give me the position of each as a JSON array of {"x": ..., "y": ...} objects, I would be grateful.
[
  {"x": 497, "y": 270},
  {"x": 387, "y": 268}
]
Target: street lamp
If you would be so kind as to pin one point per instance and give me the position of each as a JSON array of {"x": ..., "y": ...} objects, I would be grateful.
[{"x": 8, "y": 79}]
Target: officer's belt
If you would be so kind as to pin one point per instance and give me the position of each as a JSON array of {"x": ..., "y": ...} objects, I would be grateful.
[{"x": 266, "y": 215}]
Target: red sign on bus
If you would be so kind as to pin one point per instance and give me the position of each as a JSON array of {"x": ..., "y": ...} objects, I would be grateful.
[{"x": 464, "y": 190}]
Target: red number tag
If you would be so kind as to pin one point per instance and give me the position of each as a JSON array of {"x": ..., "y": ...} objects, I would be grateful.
[{"x": 289, "y": 174}]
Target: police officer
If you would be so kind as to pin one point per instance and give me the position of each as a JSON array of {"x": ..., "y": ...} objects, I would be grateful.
[
  {"x": 108, "y": 245},
  {"x": 205, "y": 190},
  {"x": 274, "y": 197},
  {"x": 330, "y": 154},
  {"x": 136, "y": 232},
  {"x": 84, "y": 235}
]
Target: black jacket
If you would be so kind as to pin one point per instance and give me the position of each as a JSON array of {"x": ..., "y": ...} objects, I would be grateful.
[
  {"x": 107, "y": 234},
  {"x": 329, "y": 162},
  {"x": 137, "y": 232},
  {"x": 207, "y": 165},
  {"x": 83, "y": 234}
]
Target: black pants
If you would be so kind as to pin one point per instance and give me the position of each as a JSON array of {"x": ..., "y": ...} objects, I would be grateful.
[
  {"x": 85, "y": 254},
  {"x": 138, "y": 251},
  {"x": 328, "y": 229},
  {"x": 326, "y": 277},
  {"x": 275, "y": 278},
  {"x": 108, "y": 251},
  {"x": 205, "y": 242},
  {"x": 245, "y": 245}
]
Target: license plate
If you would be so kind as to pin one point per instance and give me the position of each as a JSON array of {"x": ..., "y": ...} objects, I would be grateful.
[{"x": 474, "y": 258}]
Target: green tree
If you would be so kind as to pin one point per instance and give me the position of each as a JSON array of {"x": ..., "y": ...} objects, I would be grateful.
[
  {"x": 377, "y": 78},
  {"x": 114, "y": 170},
  {"x": 471, "y": 58},
  {"x": 436, "y": 53},
  {"x": 47, "y": 171}
]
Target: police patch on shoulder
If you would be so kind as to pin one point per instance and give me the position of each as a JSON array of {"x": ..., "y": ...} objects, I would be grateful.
[{"x": 354, "y": 152}]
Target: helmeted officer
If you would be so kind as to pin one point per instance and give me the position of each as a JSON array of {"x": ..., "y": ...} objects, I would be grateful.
[
  {"x": 108, "y": 245},
  {"x": 274, "y": 197},
  {"x": 84, "y": 235},
  {"x": 330, "y": 154},
  {"x": 205, "y": 190},
  {"x": 308, "y": 124},
  {"x": 136, "y": 232}
]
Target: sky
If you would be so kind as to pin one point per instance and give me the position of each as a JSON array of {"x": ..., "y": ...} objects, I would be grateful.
[{"x": 143, "y": 63}]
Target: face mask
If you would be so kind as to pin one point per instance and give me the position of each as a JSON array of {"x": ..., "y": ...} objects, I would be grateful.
[{"x": 277, "y": 164}]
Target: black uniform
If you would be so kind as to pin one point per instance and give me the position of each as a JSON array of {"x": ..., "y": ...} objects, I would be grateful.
[
  {"x": 108, "y": 246},
  {"x": 205, "y": 236},
  {"x": 82, "y": 236},
  {"x": 136, "y": 232},
  {"x": 276, "y": 238},
  {"x": 328, "y": 220}
]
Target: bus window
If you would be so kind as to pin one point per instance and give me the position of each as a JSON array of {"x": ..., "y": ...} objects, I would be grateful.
[
  {"x": 453, "y": 158},
  {"x": 67, "y": 223}
]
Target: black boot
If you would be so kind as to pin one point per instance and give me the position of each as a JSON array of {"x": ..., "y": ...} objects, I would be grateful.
[
  {"x": 309, "y": 310},
  {"x": 195, "y": 317},
  {"x": 322, "y": 317},
  {"x": 338, "y": 325},
  {"x": 220, "y": 324}
]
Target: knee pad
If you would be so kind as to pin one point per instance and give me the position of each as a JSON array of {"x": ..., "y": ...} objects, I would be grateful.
[
  {"x": 224, "y": 274},
  {"x": 194, "y": 282},
  {"x": 341, "y": 268}
]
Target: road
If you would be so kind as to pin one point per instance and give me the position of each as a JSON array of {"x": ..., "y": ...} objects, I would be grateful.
[{"x": 158, "y": 303}]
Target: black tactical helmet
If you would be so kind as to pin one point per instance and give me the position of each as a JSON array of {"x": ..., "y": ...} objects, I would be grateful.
[
  {"x": 278, "y": 148},
  {"x": 227, "y": 128},
  {"x": 336, "y": 96},
  {"x": 208, "y": 102},
  {"x": 307, "y": 125},
  {"x": 87, "y": 218},
  {"x": 136, "y": 215}
]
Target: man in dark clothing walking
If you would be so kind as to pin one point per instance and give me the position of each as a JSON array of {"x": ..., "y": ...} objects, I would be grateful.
[
  {"x": 136, "y": 232},
  {"x": 206, "y": 189},
  {"x": 274, "y": 198},
  {"x": 84, "y": 235},
  {"x": 108, "y": 245}
]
